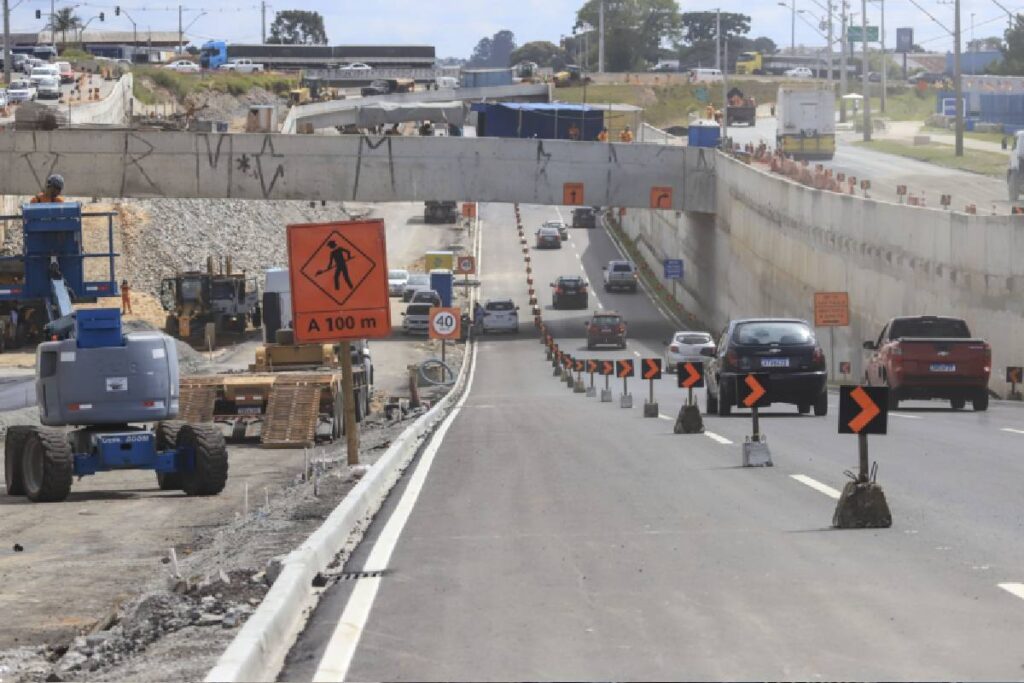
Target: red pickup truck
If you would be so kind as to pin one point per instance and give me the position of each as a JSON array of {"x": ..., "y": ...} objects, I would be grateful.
[{"x": 926, "y": 357}]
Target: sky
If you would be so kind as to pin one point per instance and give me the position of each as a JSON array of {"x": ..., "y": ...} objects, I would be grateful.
[{"x": 455, "y": 26}]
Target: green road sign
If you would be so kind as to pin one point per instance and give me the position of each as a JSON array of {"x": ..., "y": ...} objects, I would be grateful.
[{"x": 853, "y": 34}]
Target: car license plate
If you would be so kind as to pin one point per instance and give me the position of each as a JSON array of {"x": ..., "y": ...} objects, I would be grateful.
[
  {"x": 774, "y": 362},
  {"x": 943, "y": 367},
  {"x": 248, "y": 410},
  {"x": 606, "y": 330}
]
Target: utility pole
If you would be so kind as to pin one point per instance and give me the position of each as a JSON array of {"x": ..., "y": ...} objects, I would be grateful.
[
  {"x": 864, "y": 68},
  {"x": 180, "y": 32},
  {"x": 959, "y": 89},
  {"x": 885, "y": 57},
  {"x": 600, "y": 38},
  {"x": 263, "y": 23},
  {"x": 7, "y": 42},
  {"x": 842, "y": 62},
  {"x": 718, "y": 39},
  {"x": 792, "y": 28},
  {"x": 53, "y": 25},
  {"x": 831, "y": 76}
]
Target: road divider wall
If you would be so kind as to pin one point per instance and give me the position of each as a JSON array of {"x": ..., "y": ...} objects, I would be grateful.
[
  {"x": 774, "y": 243},
  {"x": 112, "y": 110}
]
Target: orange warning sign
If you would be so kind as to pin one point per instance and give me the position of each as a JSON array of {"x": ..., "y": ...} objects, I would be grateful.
[
  {"x": 339, "y": 280},
  {"x": 661, "y": 197},
  {"x": 572, "y": 194},
  {"x": 757, "y": 392},
  {"x": 831, "y": 309}
]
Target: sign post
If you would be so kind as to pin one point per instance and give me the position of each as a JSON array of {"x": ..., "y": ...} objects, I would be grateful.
[
  {"x": 339, "y": 288},
  {"x": 578, "y": 387},
  {"x": 862, "y": 504},
  {"x": 689, "y": 420},
  {"x": 1014, "y": 375},
  {"x": 624, "y": 369},
  {"x": 831, "y": 310},
  {"x": 445, "y": 324},
  {"x": 753, "y": 391},
  {"x": 607, "y": 369},
  {"x": 673, "y": 271},
  {"x": 591, "y": 368}
]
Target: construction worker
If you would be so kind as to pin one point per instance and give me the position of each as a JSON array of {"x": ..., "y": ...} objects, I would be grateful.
[
  {"x": 574, "y": 132},
  {"x": 603, "y": 135},
  {"x": 626, "y": 135},
  {"x": 126, "y": 297},
  {"x": 54, "y": 186}
]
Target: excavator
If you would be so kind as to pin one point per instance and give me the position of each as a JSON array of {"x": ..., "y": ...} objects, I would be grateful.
[{"x": 571, "y": 76}]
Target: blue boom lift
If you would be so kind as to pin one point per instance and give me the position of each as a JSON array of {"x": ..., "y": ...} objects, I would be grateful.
[{"x": 100, "y": 380}]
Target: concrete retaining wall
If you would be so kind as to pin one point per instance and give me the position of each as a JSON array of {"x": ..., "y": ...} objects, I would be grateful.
[
  {"x": 774, "y": 243},
  {"x": 114, "y": 109}
]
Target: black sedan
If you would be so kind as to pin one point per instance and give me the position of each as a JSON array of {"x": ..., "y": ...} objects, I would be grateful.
[
  {"x": 570, "y": 292},
  {"x": 782, "y": 351}
]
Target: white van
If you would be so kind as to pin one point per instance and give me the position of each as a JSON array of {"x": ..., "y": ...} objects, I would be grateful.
[
  {"x": 705, "y": 76},
  {"x": 446, "y": 82}
]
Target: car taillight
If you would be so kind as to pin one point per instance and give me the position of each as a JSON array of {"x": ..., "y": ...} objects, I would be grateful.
[
  {"x": 731, "y": 359},
  {"x": 674, "y": 348},
  {"x": 558, "y": 290},
  {"x": 818, "y": 359},
  {"x": 622, "y": 328}
]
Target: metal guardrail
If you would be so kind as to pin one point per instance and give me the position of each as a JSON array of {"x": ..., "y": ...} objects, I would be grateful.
[{"x": 355, "y": 77}]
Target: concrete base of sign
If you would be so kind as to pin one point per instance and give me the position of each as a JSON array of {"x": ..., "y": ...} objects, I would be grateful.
[
  {"x": 626, "y": 401},
  {"x": 548, "y": 354},
  {"x": 756, "y": 454},
  {"x": 556, "y": 371},
  {"x": 689, "y": 421},
  {"x": 579, "y": 387},
  {"x": 569, "y": 382},
  {"x": 862, "y": 505},
  {"x": 650, "y": 409},
  {"x": 591, "y": 392},
  {"x": 606, "y": 396}
]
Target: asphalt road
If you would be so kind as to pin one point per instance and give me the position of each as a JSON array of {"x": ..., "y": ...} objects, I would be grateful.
[
  {"x": 551, "y": 536},
  {"x": 886, "y": 171}
]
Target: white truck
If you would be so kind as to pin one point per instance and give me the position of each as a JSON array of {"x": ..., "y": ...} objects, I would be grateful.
[
  {"x": 806, "y": 122},
  {"x": 1014, "y": 172},
  {"x": 242, "y": 66}
]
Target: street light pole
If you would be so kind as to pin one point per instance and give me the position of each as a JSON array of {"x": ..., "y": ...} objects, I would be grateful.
[
  {"x": 864, "y": 68},
  {"x": 959, "y": 89},
  {"x": 792, "y": 28},
  {"x": 7, "y": 42},
  {"x": 885, "y": 58},
  {"x": 842, "y": 62},
  {"x": 600, "y": 38},
  {"x": 718, "y": 39},
  {"x": 831, "y": 79}
]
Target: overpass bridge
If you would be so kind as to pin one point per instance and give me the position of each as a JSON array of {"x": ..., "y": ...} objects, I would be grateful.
[{"x": 129, "y": 163}]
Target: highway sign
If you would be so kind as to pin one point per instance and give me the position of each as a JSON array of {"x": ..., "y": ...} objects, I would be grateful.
[
  {"x": 673, "y": 268},
  {"x": 831, "y": 309},
  {"x": 1015, "y": 375},
  {"x": 904, "y": 40},
  {"x": 607, "y": 367},
  {"x": 651, "y": 368},
  {"x": 863, "y": 410},
  {"x": 854, "y": 34},
  {"x": 661, "y": 197},
  {"x": 567, "y": 360},
  {"x": 690, "y": 375},
  {"x": 752, "y": 391},
  {"x": 624, "y": 368},
  {"x": 465, "y": 265},
  {"x": 338, "y": 274},
  {"x": 444, "y": 323},
  {"x": 572, "y": 194}
]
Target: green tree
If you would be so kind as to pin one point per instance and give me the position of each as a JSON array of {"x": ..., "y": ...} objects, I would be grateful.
[
  {"x": 634, "y": 30},
  {"x": 700, "y": 27},
  {"x": 298, "y": 27},
  {"x": 65, "y": 20},
  {"x": 542, "y": 52},
  {"x": 1013, "y": 49},
  {"x": 493, "y": 52}
]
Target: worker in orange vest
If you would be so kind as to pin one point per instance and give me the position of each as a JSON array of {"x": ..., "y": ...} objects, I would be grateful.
[
  {"x": 626, "y": 135},
  {"x": 574, "y": 132},
  {"x": 126, "y": 297},
  {"x": 51, "y": 195},
  {"x": 603, "y": 135}
]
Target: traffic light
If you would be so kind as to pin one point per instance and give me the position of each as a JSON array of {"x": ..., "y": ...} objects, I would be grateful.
[
  {"x": 117, "y": 10},
  {"x": 39, "y": 14}
]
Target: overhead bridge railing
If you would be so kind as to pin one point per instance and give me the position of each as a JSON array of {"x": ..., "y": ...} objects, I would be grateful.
[{"x": 125, "y": 163}]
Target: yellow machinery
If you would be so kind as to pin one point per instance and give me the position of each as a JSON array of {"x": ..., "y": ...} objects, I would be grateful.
[
  {"x": 298, "y": 96},
  {"x": 572, "y": 76}
]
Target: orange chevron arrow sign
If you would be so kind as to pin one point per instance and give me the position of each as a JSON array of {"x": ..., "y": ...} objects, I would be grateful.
[
  {"x": 580, "y": 364},
  {"x": 651, "y": 368},
  {"x": 863, "y": 410},
  {"x": 607, "y": 367},
  {"x": 624, "y": 368},
  {"x": 591, "y": 366},
  {"x": 1014, "y": 375},
  {"x": 752, "y": 391},
  {"x": 690, "y": 375}
]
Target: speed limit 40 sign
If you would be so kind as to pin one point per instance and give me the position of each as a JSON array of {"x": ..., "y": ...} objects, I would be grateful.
[
  {"x": 445, "y": 323},
  {"x": 465, "y": 265}
]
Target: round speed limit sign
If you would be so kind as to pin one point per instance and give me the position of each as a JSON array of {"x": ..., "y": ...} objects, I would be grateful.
[{"x": 445, "y": 323}]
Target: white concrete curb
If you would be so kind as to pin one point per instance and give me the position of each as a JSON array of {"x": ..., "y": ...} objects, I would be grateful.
[{"x": 258, "y": 651}]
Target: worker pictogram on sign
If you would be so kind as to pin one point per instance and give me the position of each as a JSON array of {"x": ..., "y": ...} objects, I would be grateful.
[
  {"x": 338, "y": 273},
  {"x": 624, "y": 368},
  {"x": 607, "y": 368},
  {"x": 445, "y": 323},
  {"x": 690, "y": 375},
  {"x": 751, "y": 391},
  {"x": 572, "y": 194},
  {"x": 651, "y": 368},
  {"x": 831, "y": 309},
  {"x": 1015, "y": 375},
  {"x": 863, "y": 410},
  {"x": 661, "y": 197},
  {"x": 465, "y": 265}
]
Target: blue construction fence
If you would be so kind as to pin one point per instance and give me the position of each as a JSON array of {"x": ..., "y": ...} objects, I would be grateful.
[{"x": 1006, "y": 109}]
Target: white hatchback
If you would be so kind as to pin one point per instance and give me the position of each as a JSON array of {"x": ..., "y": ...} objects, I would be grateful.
[
  {"x": 800, "y": 72},
  {"x": 500, "y": 315},
  {"x": 685, "y": 347},
  {"x": 396, "y": 281}
]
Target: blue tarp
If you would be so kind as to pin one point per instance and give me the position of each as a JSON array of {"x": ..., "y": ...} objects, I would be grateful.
[{"x": 549, "y": 121}]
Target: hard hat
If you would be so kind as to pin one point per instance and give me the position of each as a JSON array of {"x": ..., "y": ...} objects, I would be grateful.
[{"x": 56, "y": 182}]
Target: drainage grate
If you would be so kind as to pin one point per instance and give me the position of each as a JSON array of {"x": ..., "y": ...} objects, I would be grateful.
[{"x": 352, "y": 576}]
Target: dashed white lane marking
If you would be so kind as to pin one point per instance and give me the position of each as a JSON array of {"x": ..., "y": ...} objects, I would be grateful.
[
  {"x": 637, "y": 354},
  {"x": 1013, "y": 589},
  {"x": 816, "y": 485},
  {"x": 666, "y": 417},
  {"x": 342, "y": 646},
  {"x": 717, "y": 437},
  {"x": 905, "y": 417},
  {"x": 1012, "y": 430}
]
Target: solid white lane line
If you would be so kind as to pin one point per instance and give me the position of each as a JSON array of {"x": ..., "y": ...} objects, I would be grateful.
[
  {"x": 905, "y": 416},
  {"x": 1012, "y": 430},
  {"x": 717, "y": 437},
  {"x": 816, "y": 485},
  {"x": 1013, "y": 589},
  {"x": 342, "y": 646}
]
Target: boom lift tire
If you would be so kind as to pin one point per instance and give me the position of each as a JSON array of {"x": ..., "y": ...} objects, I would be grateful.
[
  {"x": 47, "y": 465},
  {"x": 166, "y": 439},
  {"x": 14, "y": 446},
  {"x": 210, "y": 473}
]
